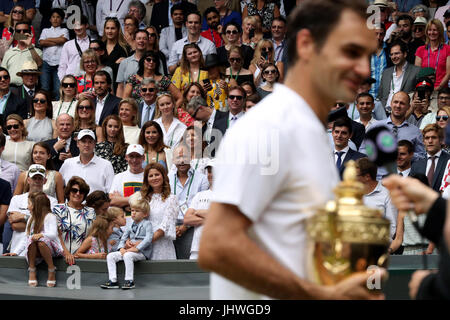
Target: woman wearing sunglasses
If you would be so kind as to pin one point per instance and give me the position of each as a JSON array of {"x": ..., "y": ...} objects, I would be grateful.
[
  {"x": 153, "y": 45},
  {"x": 236, "y": 73},
  {"x": 232, "y": 35},
  {"x": 85, "y": 117},
  {"x": 74, "y": 218},
  {"x": 149, "y": 68},
  {"x": 40, "y": 126},
  {"x": 442, "y": 116},
  {"x": 17, "y": 14},
  {"x": 17, "y": 148},
  {"x": 270, "y": 76},
  {"x": 67, "y": 93},
  {"x": 264, "y": 53},
  {"x": 54, "y": 186}
]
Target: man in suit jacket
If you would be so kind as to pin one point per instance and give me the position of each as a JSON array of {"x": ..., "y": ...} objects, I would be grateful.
[
  {"x": 30, "y": 76},
  {"x": 147, "y": 108},
  {"x": 64, "y": 146},
  {"x": 215, "y": 123},
  {"x": 161, "y": 11},
  {"x": 400, "y": 77},
  {"x": 433, "y": 166},
  {"x": 342, "y": 132},
  {"x": 9, "y": 102},
  {"x": 105, "y": 102}
]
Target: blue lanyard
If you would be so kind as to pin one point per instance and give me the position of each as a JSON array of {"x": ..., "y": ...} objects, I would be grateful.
[{"x": 437, "y": 60}]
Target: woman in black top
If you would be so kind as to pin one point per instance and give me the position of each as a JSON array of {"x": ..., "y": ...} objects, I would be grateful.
[{"x": 232, "y": 35}]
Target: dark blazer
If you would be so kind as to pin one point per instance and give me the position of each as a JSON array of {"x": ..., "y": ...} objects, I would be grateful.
[
  {"x": 111, "y": 107},
  {"x": 359, "y": 133},
  {"x": 22, "y": 93},
  {"x": 351, "y": 155},
  {"x": 15, "y": 104},
  {"x": 221, "y": 124},
  {"x": 140, "y": 107},
  {"x": 160, "y": 13},
  {"x": 55, "y": 155},
  {"x": 408, "y": 83},
  {"x": 420, "y": 166}
]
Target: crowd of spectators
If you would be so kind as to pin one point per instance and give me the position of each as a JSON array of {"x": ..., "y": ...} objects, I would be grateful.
[{"x": 129, "y": 102}]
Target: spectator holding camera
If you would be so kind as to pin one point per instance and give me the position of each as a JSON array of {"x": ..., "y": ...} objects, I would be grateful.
[{"x": 420, "y": 101}]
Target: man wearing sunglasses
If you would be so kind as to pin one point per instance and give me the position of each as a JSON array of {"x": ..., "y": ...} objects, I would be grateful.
[
  {"x": 149, "y": 93},
  {"x": 97, "y": 172},
  {"x": 236, "y": 103},
  {"x": 18, "y": 213},
  {"x": 9, "y": 102},
  {"x": 435, "y": 163},
  {"x": 15, "y": 57}
]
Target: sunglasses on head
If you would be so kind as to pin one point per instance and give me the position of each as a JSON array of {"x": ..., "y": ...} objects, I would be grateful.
[
  {"x": 233, "y": 97},
  {"x": 85, "y": 107},
  {"x": 11, "y": 126},
  {"x": 439, "y": 118},
  {"x": 41, "y": 101},
  {"x": 69, "y": 84},
  {"x": 144, "y": 90},
  {"x": 5, "y": 77},
  {"x": 34, "y": 170},
  {"x": 22, "y": 31}
]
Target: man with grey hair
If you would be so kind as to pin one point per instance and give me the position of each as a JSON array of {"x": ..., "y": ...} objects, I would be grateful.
[
  {"x": 136, "y": 8},
  {"x": 215, "y": 122},
  {"x": 147, "y": 108},
  {"x": 63, "y": 147}
]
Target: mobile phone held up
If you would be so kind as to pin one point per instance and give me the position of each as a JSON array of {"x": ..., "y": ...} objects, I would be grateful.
[
  {"x": 20, "y": 36},
  {"x": 251, "y": 33}
]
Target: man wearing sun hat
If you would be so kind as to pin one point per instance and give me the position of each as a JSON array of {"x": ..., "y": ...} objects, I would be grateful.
[
  {"x": 30, "y": 76},
  {"x": 97, "y": 172},
  {"x": 130, "y": 181}
]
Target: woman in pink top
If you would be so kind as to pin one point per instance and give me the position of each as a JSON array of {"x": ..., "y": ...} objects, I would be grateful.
[{"x": 435, "y": 53}]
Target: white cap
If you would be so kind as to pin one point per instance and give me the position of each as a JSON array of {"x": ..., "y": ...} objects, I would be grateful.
[
  {"x": 211, "y": 163},
  {"x": 135, "y": 148},
  {"x": 35, "y": 169},
  {"x": 85, "y": 132}
]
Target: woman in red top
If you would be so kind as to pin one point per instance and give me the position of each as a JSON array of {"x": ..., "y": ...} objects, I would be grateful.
[
  {"x": 435, "y": 53},
  {"x": 17, "y": 14}
]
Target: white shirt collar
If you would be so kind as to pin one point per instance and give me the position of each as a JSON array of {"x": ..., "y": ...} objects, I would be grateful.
[
  {"x": 238, "y": 116},
  {"x": 345, "y": 150},
  {"x": 102, "y": 101},
  {"x": 211, "y": 118},
  {"x": 437, "y": 155}
]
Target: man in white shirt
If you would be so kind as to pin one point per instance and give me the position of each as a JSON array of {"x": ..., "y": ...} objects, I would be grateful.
[
  {"x": 110, "y": 8},
  {"x": 196, "y": 214},
  {"x": 254, "y": 239},
  {"x": 376, "y": 195},
  {"x": 18, "y": 213},
  {"x": 365, "y": 105},
  {"x": 130, "y": 181},
  {"x": 185, "y": 183},
  {"x": 236, "y": 103},
  {"x": 193, "y": 26},
  {"x": 105, "y": 102},
  {"x": 72, "y": 50},
  {"x": 405, "y": 153},
  {"x": 97, "y": 172}
]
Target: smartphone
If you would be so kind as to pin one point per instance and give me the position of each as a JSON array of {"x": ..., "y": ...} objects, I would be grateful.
[
  {"x": 421, "y": 94},
  {"x": 264, "y": 54},
  {"x": 205, "y": 81},
  {"x": 20, "y": 36},
  {"x": 251, "y": 33}
]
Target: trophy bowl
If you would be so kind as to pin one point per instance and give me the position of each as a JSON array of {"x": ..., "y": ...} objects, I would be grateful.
[{"x": 345, "y": 236}]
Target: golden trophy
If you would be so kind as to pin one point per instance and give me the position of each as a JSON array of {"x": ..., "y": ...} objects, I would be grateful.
[{"x": 345, "y": 236}]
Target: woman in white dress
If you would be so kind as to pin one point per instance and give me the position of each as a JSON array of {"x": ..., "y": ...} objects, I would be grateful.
[
  {"x": 54, "y": 186},
  {"x": 163, "y": 211},
  {"x": 128, "y": 113},
  {"x": 166, "y": 117},
  {"x": 68, "y": 101},
  {"x": 40, "y": 125}
]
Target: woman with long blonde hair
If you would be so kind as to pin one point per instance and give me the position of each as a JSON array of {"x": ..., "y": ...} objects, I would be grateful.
[
  {"x": 96, "y": 246},
  {"x": 190, "y": 69},
  {"x": 264, "y": 54},
  {"x": 85, "y": 117}
]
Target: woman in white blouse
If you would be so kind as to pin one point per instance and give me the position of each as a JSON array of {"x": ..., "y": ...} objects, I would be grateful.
[
  {"x": 128, "y": 113},
  {"x": 163, "y": 211},
  {"x": 67, "y": 93},
  {"x": 166, "y": 117}
]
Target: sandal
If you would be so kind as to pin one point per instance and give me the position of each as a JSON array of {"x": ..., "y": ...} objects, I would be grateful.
[
  {"x": 32, "y": 283},
  {"x": 51, "y": 283}
]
